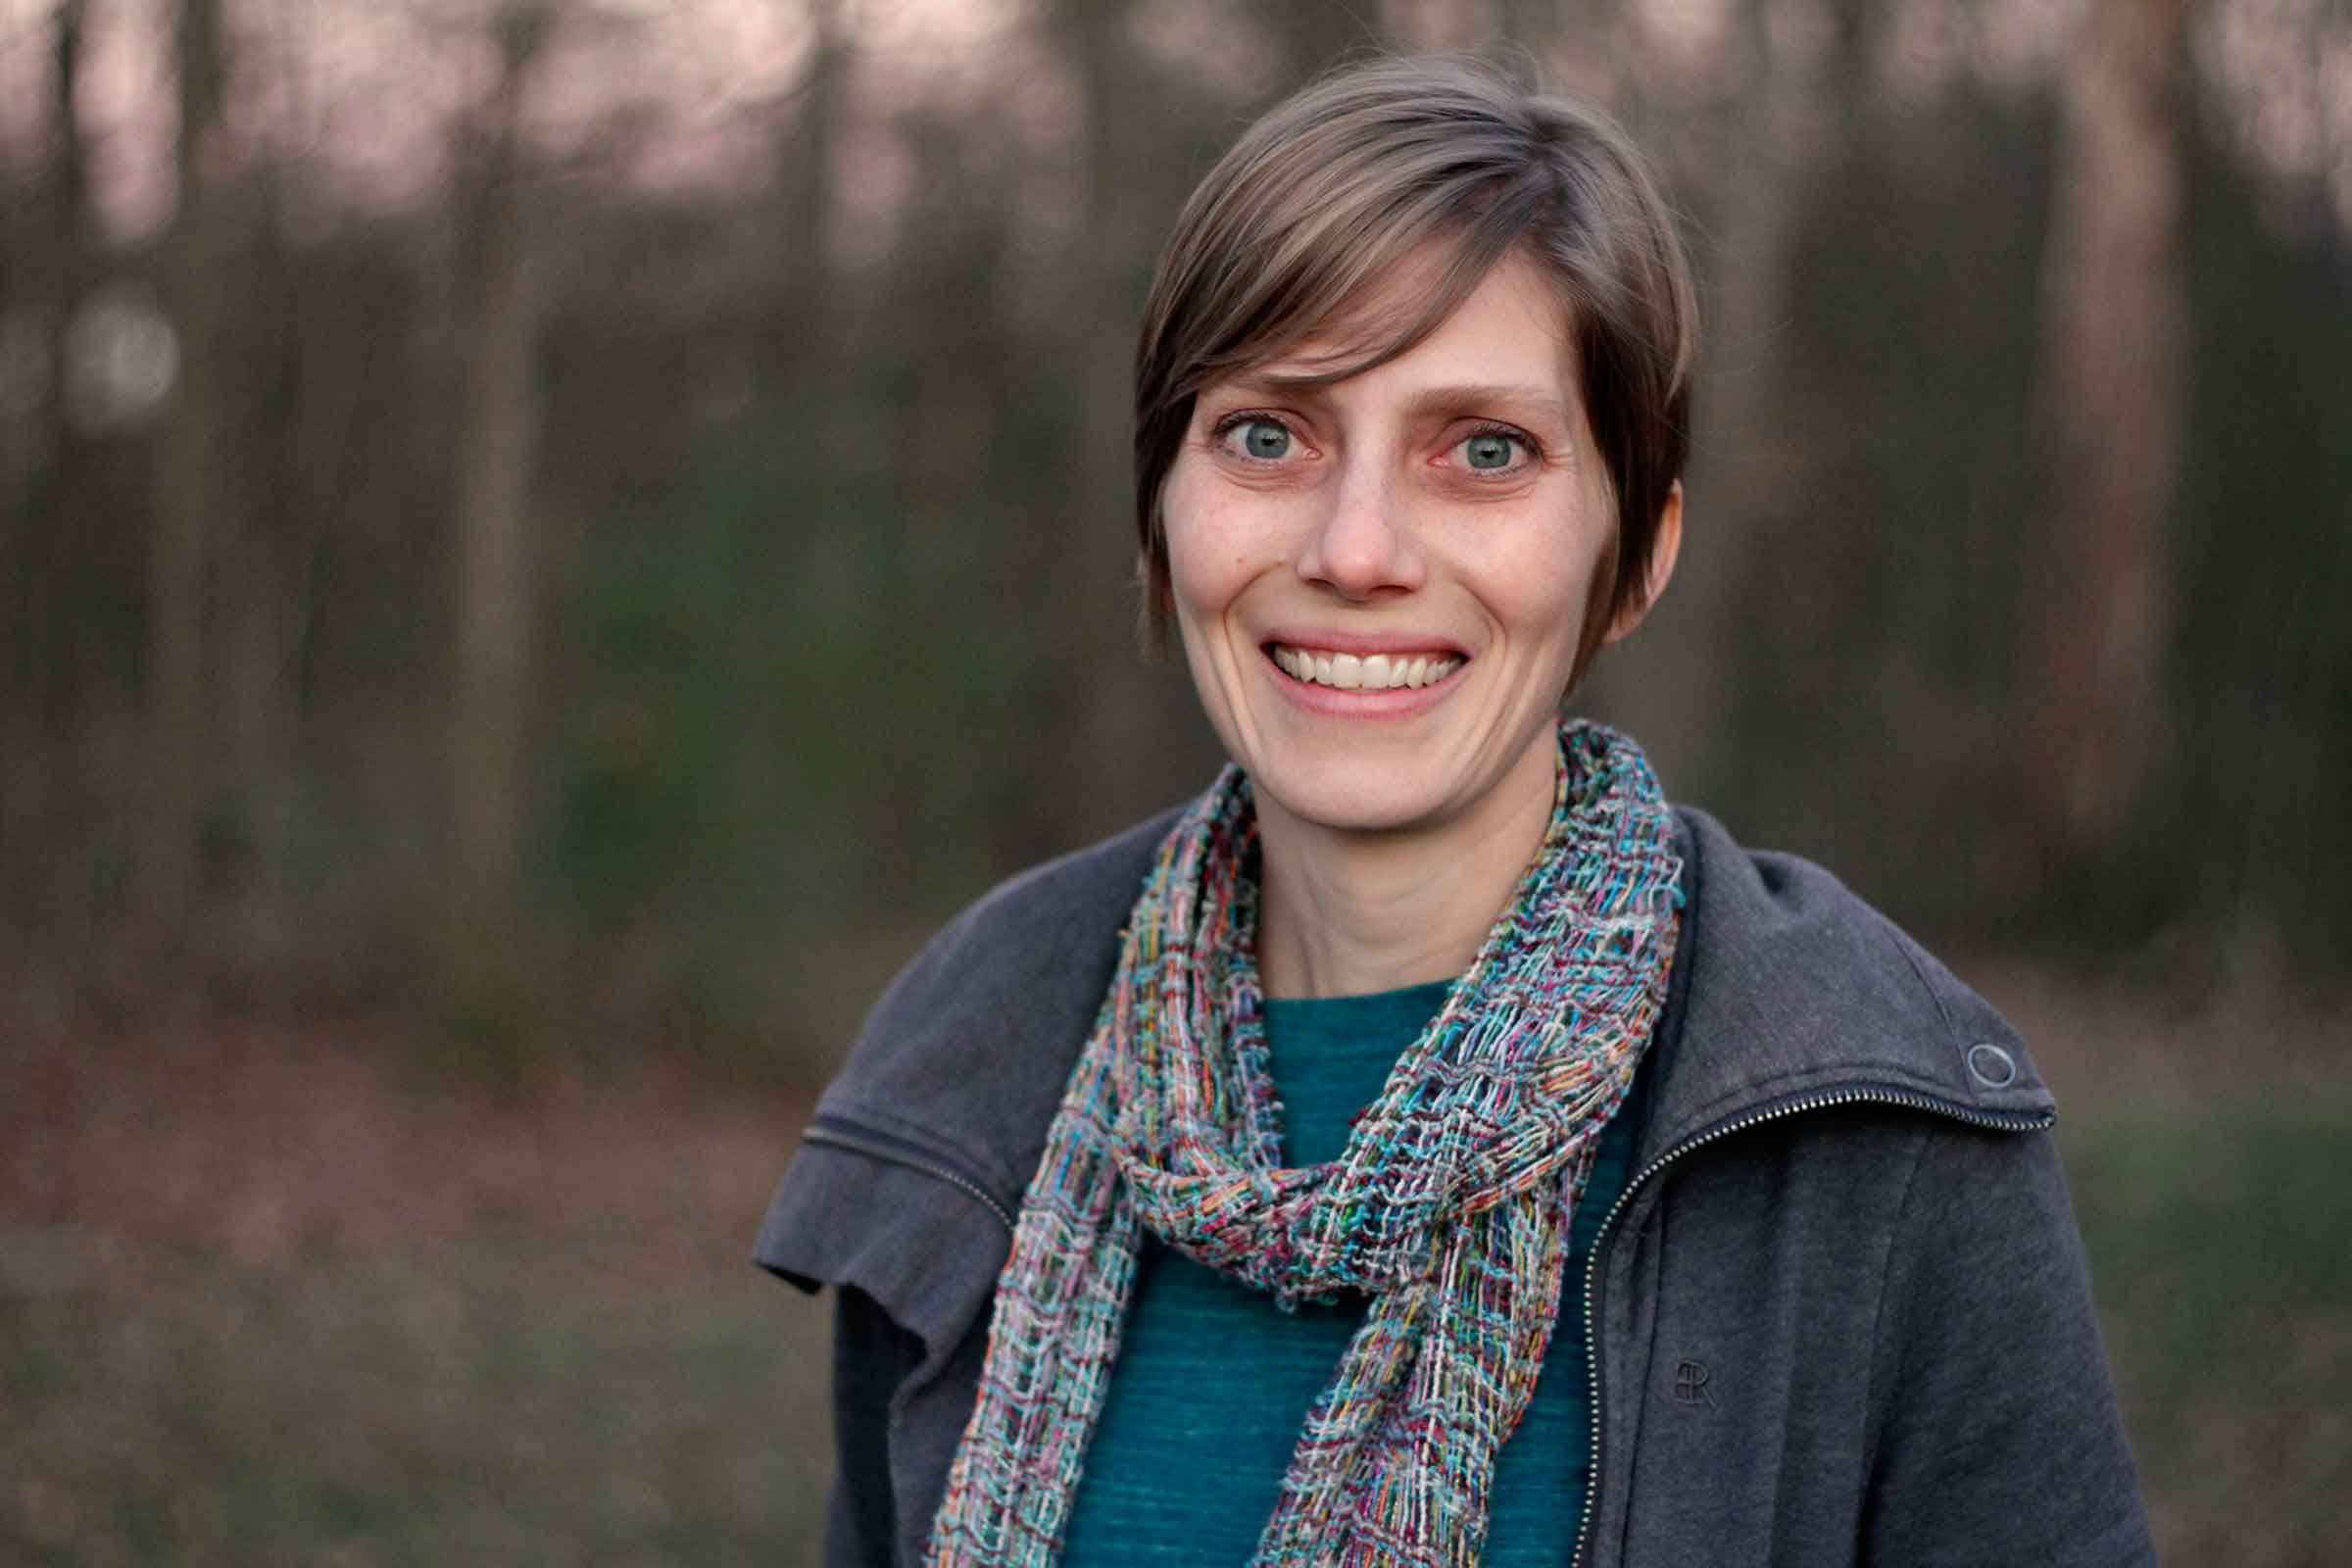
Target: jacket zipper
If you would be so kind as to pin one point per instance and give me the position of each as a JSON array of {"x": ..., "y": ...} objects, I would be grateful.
[
  {"x": 1821, "y": 1102},
  {"x": 899, "y": 1151}
]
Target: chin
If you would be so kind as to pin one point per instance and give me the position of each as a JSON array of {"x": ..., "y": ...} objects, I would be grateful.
[{"x": 1329, "y": 797}]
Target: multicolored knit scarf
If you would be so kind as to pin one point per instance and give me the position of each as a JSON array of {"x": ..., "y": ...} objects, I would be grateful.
[{"x": 1449, "y": 1206}]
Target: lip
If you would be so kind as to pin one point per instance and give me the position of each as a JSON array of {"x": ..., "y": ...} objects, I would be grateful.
[
  {"x": 1388, "y": 703},
  {"x": 1362, "y": 644}
]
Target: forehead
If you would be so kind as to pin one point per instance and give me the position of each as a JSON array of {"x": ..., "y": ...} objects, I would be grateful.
[{"x": 1512, "y": 328}]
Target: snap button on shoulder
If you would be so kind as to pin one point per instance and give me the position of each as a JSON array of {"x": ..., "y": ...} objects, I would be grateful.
[{"x": 1990, "y": 1065}]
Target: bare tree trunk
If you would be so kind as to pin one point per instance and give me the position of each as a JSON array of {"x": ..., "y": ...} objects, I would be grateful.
[
  {"x": 186, "y": 499},
  {"x": 1683, "y": 692},
  {"x": 43, "y": 518},
  {"x": 1534, "y": 25},
  {"x": 252, "y": 700},
  {"x": 57, "y": 486},
  {"x": 1110, "y": 720},
  {"x": 271, "y": 546},
  {"x": 2111, "y": 405},
  {"x": 803, "y": 332},
  {"x": 1321, "y": 33},
  {"x": 491, "y": 556}
]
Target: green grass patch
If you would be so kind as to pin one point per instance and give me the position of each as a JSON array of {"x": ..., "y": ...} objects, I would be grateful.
[
  {"x": 490, "y": 1412},
  {"x": 2221, "y": 1247}
]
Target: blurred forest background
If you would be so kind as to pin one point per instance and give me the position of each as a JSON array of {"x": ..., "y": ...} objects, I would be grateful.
[{"x": 544, "y": 545}]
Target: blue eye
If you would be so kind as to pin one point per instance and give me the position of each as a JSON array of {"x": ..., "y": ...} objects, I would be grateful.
[
  {"x": 1262, "y": 439},
  {"x": 1488, "y": 450}
]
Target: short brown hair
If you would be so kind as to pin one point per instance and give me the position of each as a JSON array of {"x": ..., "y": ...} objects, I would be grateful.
[{"x": 1338, "y": 183}]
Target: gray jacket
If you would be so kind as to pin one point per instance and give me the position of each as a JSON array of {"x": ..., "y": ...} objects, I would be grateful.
[{"x": 1839, "y": 1315}]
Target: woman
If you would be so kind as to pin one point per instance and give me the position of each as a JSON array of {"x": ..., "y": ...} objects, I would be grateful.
[{"x": 1427, "y": 1145}]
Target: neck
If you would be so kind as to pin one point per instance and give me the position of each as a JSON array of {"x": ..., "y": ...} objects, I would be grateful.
[{"x": 1343, "y": 911}]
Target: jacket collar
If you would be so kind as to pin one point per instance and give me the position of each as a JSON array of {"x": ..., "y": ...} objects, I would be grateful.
[{"x": 1788, "y": 988}]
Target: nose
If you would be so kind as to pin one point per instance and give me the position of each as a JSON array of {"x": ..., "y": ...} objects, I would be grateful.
[{"x": 1363, "y": 543}]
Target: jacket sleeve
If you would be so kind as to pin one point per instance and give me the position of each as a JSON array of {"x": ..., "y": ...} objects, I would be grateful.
[
  {"x": 913, "y": 1262},
  {"x": 1999, "y": 1441},
  {"x": 871, "y": 1357}
]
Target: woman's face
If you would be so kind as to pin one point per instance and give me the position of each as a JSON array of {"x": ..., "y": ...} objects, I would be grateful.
[{"x": 1381, "y": 583}]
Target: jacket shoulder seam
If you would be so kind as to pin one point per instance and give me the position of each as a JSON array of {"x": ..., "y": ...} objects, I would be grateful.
[
  {"x": 1890, "y": 934},
  {"x": 977, "y": 1161}
]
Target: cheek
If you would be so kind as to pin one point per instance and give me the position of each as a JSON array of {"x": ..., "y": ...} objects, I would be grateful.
[
  {"x": 1537, "y": 582},
  {"x": 1211, "y": 553}
]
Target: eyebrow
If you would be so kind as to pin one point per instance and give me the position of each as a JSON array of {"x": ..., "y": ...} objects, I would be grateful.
[{"x": 1428, "y": 400}]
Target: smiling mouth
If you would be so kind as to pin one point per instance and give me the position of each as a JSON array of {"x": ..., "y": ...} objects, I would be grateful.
[{"x": 1348, "y": 673}]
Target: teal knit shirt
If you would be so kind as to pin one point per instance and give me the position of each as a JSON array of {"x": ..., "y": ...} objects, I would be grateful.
[{"x": 1212, "y": 1383}]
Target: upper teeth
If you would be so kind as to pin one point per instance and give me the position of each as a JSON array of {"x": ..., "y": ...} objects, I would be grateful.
[{"x": 1372, "y": 672}]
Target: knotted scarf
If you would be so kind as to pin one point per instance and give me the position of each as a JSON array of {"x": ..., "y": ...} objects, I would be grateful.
[{"x": 1449, "y": 1207}]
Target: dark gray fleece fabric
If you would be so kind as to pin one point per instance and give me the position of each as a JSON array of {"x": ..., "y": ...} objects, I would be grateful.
[{"x": 1841, "y": 1315}]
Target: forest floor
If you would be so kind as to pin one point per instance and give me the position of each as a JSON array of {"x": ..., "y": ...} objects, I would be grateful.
[{"x": 277, "y": 1287}]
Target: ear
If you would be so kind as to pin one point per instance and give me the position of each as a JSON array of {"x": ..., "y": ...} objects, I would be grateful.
[{"x": 1662, "y": 553}]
